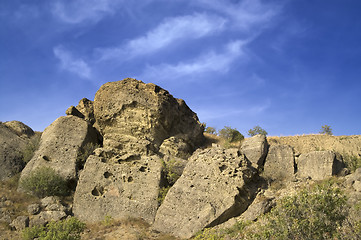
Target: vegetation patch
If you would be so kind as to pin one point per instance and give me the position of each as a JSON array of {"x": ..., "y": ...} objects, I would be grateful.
[
  {"x": 44, "y": 182},
  {"x": 69, "y": 229}
]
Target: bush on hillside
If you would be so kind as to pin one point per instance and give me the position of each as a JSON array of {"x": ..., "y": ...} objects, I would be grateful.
[
  {"x": 211, "y": 130},
  {"x": 69, "y": 229},
  {"x": 44, "y": 182},
  {"x": 317, "y": 213},
  {"x": 231, "y": 134},
  {"x": 257, "y": 130}
]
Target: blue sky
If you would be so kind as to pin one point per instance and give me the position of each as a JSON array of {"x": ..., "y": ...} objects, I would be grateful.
[{"x": 289, "y": 66}]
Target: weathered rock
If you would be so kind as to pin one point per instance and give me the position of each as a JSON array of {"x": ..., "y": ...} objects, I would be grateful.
[
  {"x": 60, "y": 146},
  {"x": 20, "y": 223},
  {"x": 33, "y": 209},
  {"x": 46, "y": 216},
  {"x": 212, "y": 189},
  {"x": 318, "y": 165},
  {"x": 175, "y": 147},
  {"x": 353, "y": 181},
  {"x": 118, "y": 189},
  {"x": 11, "y": 156},
  {"x": 20, "y": 128},
  {"x": 255, "y": 149},
  {"x": 259, "y": 206},
  {"x": 85, "y": 106},
  {"x": 49, "y": 201},
  {"x": 279, "y": 164},
  {"x": 130, "y": 113},
  {"x": 73, "y": 111}
]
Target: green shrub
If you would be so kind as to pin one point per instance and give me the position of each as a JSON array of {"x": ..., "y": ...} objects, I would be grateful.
[
  {"x": 208, "y": 234},
  {"x": 69, "y": 229},
  {"x": 171, "y": 176},
  {"x": 231, "y": 134},
  {"x": 312, "y": 214},
  {"x": 211, "y": 130},
  {"x": 43, "y": 182},
  {"x": 257, "y": 130}
]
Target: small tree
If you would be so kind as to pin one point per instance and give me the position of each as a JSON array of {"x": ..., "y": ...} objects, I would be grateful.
[
  {"x": 231, "y": 134},
  {"x": 211, "y": 130},
  {"x": 327, "y": 130},
  {"x": 257, "y": 130}
]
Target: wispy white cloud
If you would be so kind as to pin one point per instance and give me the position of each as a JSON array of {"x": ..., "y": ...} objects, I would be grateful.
[
  {"x": 206, "y": 63},
  {"x": 69, "y": 63},
  {"x": 244, "y": 14},
  {"x": 167, "y": 32},
  {"x": 78, "y": 11}
]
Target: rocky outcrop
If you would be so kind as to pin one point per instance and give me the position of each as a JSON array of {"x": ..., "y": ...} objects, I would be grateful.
[
  {"x": 20, "y": 128},
  {"x": 214, "y": 187},
  {"x": 60, "y": 147},
  {"x": 133, "y": 115},
  {"x": 319, "y": 165},
  {"x": 255, "y": 149},
  {"x": 12, "y": 144},
  {"x": 279, "y": 163},
  {"x": 122, "y": 189}
]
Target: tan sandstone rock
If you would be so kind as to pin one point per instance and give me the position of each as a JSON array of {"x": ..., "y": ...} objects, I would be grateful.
[
  {"x": 60, "y": 146},
  {"x": 131, "y": 113},
  {"x": 255, "y": 149},
  {"x": 318, "y": 165},
  {"x": 212, "y": 189},
  {"x": 279, "y": 164},
  {"x": 125, "y": 189}
]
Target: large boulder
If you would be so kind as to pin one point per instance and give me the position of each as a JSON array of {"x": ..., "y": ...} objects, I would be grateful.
[
  {"x": 60, "y": 146},
  {"x": 279, "y": 164},
  {"x": 133, "y": 115},
  {"x": 12, "y": 145},
  {"x": 122, "y": 189},
  {"x": 214, "y": 187},
  {"x": 255, "y": 149},
  {"x": 319, "y": 165}
]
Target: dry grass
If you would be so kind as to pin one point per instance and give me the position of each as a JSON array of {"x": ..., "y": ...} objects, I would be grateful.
[
  {"x": 17, "y": 206},
  {"x": 211, "y": 138},
  {"x": 128, "y": 228},
  {"x": 350, "y": 145}
]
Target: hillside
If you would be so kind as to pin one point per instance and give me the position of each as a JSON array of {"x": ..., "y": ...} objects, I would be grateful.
[{"x": 135, "y": 163}]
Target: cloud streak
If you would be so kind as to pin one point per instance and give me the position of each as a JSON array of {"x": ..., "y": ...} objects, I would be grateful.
[
  {"x": 71, "y": 64},
  {"x": 78, "y": 11},
  {"x": 244, "y": 15},
  {"x": 166, "y": 33},
  {"x": 206, "y": 63}
]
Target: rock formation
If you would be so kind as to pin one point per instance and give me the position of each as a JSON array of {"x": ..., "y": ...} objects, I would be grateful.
[
  {"x": 279, "y": 163},
  {"x": 119, "y": 190},
  {"x": 140, "y": 125},
  {"x": 255, "y": 149},
  {"x": 214, "y": 187},
  {"x": 60, "y": 146},
  {"x": 136, "y": 117},
  {"x": 14, "y": 137},
  {"x": 318, "y": 165}
]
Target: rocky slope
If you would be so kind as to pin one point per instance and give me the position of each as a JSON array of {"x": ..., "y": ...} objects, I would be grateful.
[{"x": 138, "y": 152}]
